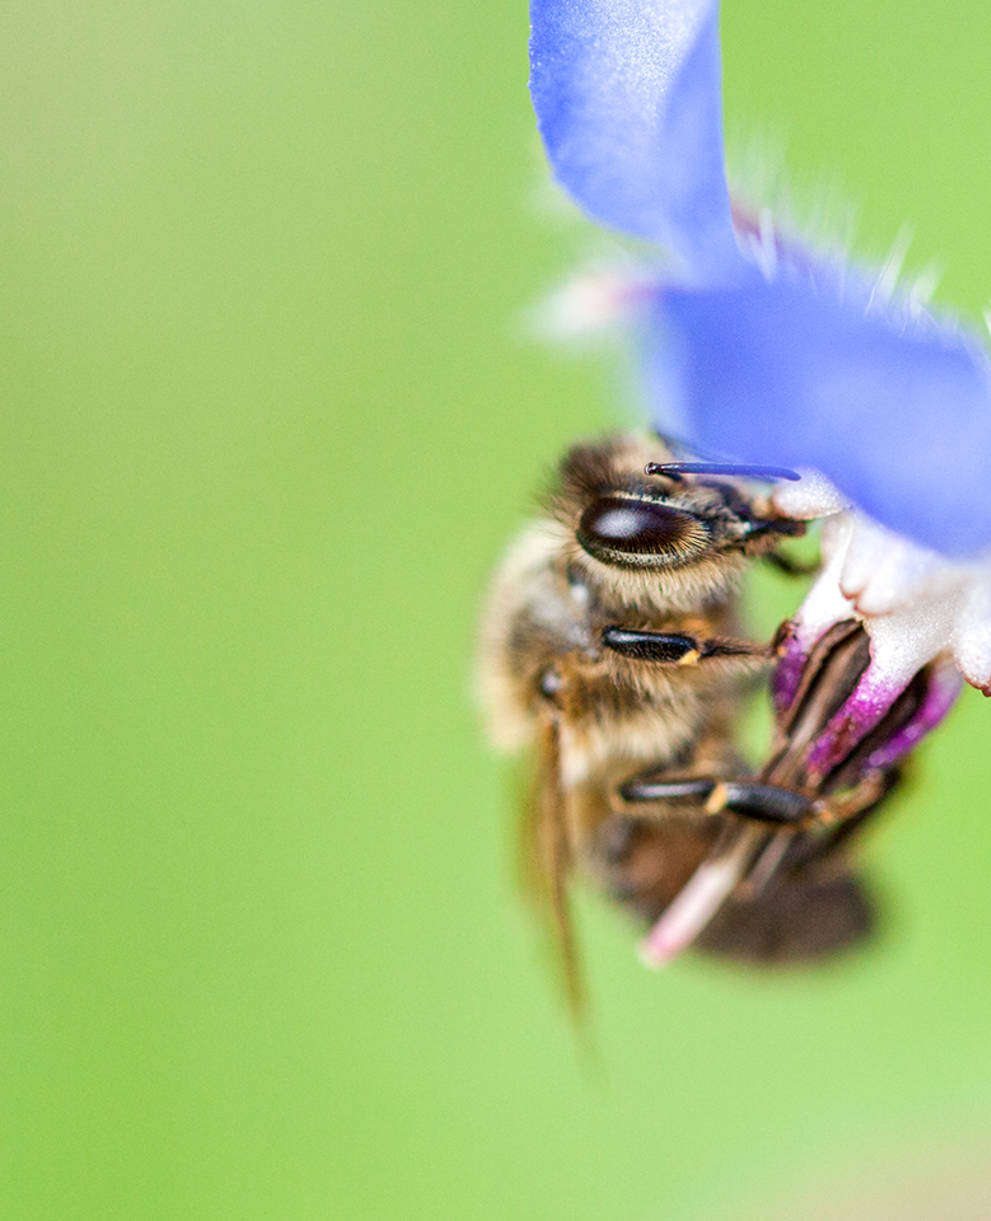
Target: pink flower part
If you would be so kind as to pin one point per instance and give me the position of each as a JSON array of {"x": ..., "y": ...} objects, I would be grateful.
[
  {"x": 914, "y": 603},
  {"x": 597, "y": 299}
]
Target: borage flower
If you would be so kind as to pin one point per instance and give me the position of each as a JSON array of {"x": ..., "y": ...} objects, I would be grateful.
[{"x": 759, "y": 351}]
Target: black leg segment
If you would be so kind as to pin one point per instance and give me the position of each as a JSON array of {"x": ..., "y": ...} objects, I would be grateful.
[
  {"x": 649, "y": 787},
  {"x": 771, "y": 804},
  {"x": 673, "y": 647},
  {"x": 767, "y": 803}
]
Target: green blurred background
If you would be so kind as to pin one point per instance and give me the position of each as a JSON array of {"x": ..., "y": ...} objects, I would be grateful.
[{"x": 270, "y": 420}]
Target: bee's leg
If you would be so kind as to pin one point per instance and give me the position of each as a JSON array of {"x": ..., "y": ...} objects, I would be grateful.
[
  {"x": 763, "y": 879},
  {"x": 750, "y": 799},
  {"x": 774, "y": 805},
  {"x": 764, "y": 534},
  {"x": 656, "y": 862},
  {"x": 807, "y": 848},
  {"x": 835, "y": 824},
  {"x": 651, "y": 786},
  {"x": 779, "y": 806},
  {"x": 800, "y": 899},
  {"x": 676, "y": 648},
  {"x": 790, "y": 567}
]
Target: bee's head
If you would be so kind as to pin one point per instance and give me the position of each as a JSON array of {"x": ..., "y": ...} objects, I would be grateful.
[
  {"x": 650, "y": 520},
  {"x": 632, "y": 530}
]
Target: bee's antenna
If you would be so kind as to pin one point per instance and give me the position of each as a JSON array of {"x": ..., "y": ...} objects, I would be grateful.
[{"x": 675, "y": 470}]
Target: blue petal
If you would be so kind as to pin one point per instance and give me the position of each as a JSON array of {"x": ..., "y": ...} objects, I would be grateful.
[
  {"x": 628, "y": 101},
  {"x": 897, "y": 414}
]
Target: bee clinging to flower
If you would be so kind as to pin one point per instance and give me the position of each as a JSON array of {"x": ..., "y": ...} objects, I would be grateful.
[
  {"x": 758, "y": 353},
  {"x": 611, "y": 644}
]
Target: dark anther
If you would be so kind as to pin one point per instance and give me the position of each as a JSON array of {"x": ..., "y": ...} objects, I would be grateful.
[{"x": 675, "y": 470}]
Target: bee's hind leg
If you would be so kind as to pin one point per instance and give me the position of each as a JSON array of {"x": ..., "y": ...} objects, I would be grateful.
[
  {"x": 778, "y": 806},
  {"x": 772, "y": 804},
  {"x": 654, "y": 840},
  {"x": 795, "y": 901}
]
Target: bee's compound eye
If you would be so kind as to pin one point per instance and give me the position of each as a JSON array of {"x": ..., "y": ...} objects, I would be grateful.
[{"x": 640, "y": 533}]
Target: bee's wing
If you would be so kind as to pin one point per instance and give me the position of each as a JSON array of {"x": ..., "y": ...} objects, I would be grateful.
[
  {"x": 800, "y": 917},
  {"x": 812, "y": 905},
  {"x": 546, "y": 861}
]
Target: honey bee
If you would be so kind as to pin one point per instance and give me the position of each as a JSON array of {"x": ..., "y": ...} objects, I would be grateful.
[{"x": 611, "y": 643}]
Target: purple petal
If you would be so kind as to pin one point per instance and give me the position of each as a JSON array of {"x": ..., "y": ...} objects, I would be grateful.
[
  {"x": 628, "y": 101},
  {"x": 894, "y": 412}
]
